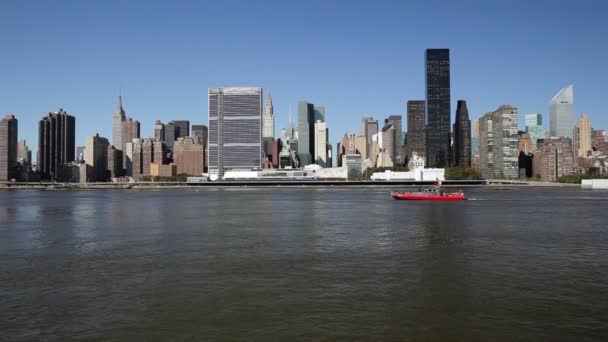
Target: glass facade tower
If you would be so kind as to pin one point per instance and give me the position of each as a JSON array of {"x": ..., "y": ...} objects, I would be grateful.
[
  {"x": 438, "y": 108},
  {"x": 535, "y": 128},
  {"x": 235, "y": 129},
  {"x": 561, "y": 110}
]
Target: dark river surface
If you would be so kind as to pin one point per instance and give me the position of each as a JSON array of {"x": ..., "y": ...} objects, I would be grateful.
[{"x": 288, "y": 264}]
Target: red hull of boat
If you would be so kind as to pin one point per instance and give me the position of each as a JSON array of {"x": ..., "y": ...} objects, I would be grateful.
[{"x": 427, "y": 198}]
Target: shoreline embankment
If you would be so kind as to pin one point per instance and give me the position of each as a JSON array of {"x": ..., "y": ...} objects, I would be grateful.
[{"x": 275, "y": 184}]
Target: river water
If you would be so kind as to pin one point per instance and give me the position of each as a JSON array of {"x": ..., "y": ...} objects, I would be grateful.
[{"x": 292, "y": 264}]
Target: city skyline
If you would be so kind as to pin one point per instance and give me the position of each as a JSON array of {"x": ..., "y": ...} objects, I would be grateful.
[
  {"x": 348, "y": 89},
  {"x": 363, "y": 170}
]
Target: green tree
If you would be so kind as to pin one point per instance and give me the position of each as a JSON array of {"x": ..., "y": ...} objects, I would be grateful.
[
  {"x": 462, "y": 173},
  {"x": 577, "y": 179}
]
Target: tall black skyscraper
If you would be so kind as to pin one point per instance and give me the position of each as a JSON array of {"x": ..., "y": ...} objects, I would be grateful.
[
  {"x": 415, "y": 128},
  {"x": 306, "y": 132},
  {"x": 438, "y": 107},
  {"x": 56, "y": 142},
  {"x": 8, "y": 148},
  {"x": 462, "y": 136}
]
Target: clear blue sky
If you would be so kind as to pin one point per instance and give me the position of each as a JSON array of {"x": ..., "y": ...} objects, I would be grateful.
[{"x": 355, "y": 57}]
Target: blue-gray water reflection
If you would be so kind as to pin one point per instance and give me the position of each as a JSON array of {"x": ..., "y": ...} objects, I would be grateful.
[{"x": 303, "y": 264}]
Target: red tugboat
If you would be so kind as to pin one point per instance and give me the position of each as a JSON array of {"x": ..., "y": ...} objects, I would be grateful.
[{"x": 429, "y": 195}]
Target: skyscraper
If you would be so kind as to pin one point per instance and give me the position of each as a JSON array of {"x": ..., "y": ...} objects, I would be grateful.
[
  {"x": 117, "y": 119},
  {"x": 268, "y": 119},
  {"x": 235, "y": 129},
  {"x": 396, "y": 121},
  {"x": 171, "y": 134},
  {"x": 306, "y": 132},
  {"x": 475, "y": 137},
  {"x": 320, "y": 143},
  {"x": 115, "y": 157},
  {"x": 475, "y": 145},
  {"x": 96, "y": 156},
  {"x": 319, "y": 113},
  {"x": 24, "y": 155},
  {"x": 136, "y": 157},
  {"x": 189, "y": 156},
  {"x": 462, "y": 136},
  {"x": 56, "y": 141},
  {"x": 267, "y": 147},
  {"x": 415, "y": 128},
  {"x": 8, "y": 148},
  {"x": 200, "y": 132},
  {"x": 581, "y": 137},
  {"x": 535, "y": 128},
  {"x": 159, "y": 130},
  {"x": 308, "y": 115},
  {"x": 369, "y": 129},
  {"x": 534, "y": 119},
  {"x": 130, "y": 130},
  {"x": 553, "y": 159},
  {"x": 387, "y": 142},
  {"x": 561, "y": 110},
  {"x": 438, "y": 107},
  {"x": 124, "y": 130},
  {"x": 182, "y": 128},
  {"x": 147, "y": 156},
  {"x": 348, "y": 145},
  {"x": 159, "y": 152},
  {"x": 498, "y": 143}
]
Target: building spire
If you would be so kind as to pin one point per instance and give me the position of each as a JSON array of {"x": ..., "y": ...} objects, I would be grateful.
[{"x": 119, "y": 110}]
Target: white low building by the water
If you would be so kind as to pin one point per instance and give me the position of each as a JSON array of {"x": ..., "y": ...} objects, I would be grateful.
[{"x": 418, "y": 174}]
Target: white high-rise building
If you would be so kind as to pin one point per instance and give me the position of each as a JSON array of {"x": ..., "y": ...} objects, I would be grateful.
[
  {"x": 268, "y": 118},
  {"x": 561, "y": 110},
  {"x": 320, "y": 143},
  {"x": 235, "y": 129},
  {"x": 117, "y": 120}
]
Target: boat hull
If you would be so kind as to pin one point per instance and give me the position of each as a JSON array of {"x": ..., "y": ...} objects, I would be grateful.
[{"x": 411, "y": 197}]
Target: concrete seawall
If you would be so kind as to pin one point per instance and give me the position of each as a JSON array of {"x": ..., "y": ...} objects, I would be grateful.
[
  {"x": 274, "y": 183},
  {"x": 595, "y": 184}
]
